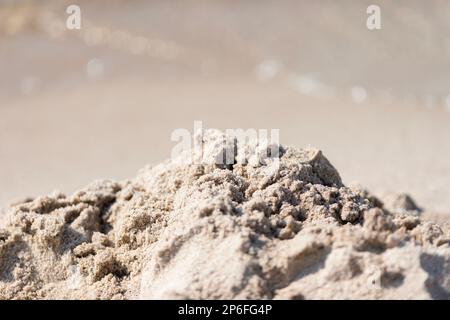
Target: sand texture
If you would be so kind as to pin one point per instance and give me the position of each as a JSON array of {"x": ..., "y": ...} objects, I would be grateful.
[{"x": 207, "y": 231}]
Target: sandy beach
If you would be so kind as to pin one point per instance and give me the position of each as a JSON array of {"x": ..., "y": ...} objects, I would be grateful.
[{"x": 102, "y": 102}]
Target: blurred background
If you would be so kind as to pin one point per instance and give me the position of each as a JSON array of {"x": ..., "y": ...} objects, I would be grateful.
[{"x": 102, "y": 101}]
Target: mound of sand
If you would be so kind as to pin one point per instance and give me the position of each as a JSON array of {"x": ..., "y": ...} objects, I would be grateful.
[{"x": 208, "y": 231}]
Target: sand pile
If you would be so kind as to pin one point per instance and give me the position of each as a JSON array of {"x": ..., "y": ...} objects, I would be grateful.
[{"x": 215, "y": 231}]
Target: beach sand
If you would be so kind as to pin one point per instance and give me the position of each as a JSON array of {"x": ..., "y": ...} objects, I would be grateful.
[{"x": 103, "y": 101}]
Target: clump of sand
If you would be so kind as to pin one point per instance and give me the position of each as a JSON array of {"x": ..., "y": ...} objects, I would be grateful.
[{"x": 197, "y": 231}]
